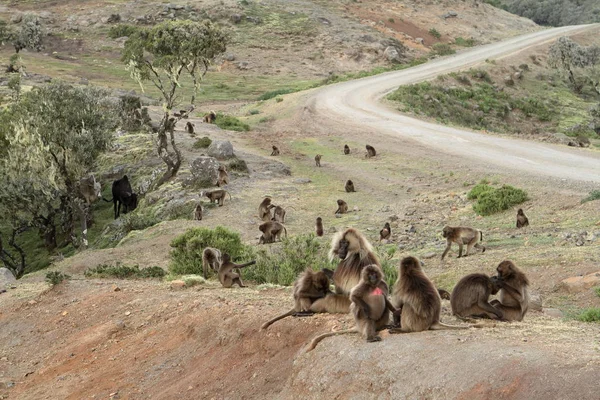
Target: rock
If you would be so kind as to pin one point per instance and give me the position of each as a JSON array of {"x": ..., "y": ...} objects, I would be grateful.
[
  {"x": 355, "y": 208},
  {"x": 411, "y": 229},
  {"x": 577, "y": 284},
  {"x": 6, "y": 278},
  {"x": 338, "y": 215},
  {"x": 517, "y": 75},
  {"x": 450, "y": 14},
  {"x": 221, "y": 149},
  {"x": 277, "y": 168},
  {"x": 116, "y": 289},
  {"x": 428, "y": 256},
  {"x": 177, "y": 284},
  {"x": 205, "y": 171},
  {"x": 553, "y": 312},
  {"x": 113, "y": 19},
  {"x": 17, "y": 18},
  {"x": 535, "y": 302},
  {"x": 236, "y": 18},
  {"x": 243, "y": 65},
  {"x": 333, "y": 229},
  {"x": 420, "y": 40},
  {"x": 324, "y": 21},
  {"x": 229, "y": 57},
  {"x": 120, "y": 324},
  {"x": 508, "y": 81},
  {"x": 391, "y": 54}
]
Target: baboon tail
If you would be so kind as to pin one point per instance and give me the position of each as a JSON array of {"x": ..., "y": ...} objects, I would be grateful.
[
  {"x": 108, "y": 201},
  {"x": 440, "y": 325},
  {"x": 282, "y": 316},
  {"x": 315, "y": 341},
  {"x": 285, "y": 230}
]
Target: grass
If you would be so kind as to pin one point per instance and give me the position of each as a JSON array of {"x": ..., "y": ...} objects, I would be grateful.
[
  {"x": 460, "y": 41},
  {"x": 589, "y": 315},
  {"x": 274, "y": 93},
  {"x": 597, "y": 291},
  {"x": 202, "y": 143},
  {"x": 435, "y": 33},
  {"x": 124, "y": 272},
  {"x": 594, "y": 195},
  {"x": 231, "y": 123},
  {"x": 442, "y": 49},
  {"x": 56, "y": 277}
]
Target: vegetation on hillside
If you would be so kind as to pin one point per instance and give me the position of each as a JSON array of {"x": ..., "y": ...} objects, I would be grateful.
[{"x": 553, "y": 12}]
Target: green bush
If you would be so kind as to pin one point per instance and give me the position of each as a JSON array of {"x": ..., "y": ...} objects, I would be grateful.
[
  {"x": 590, "y": 315},
  {"x": 495, "y": 200},
  {"x": 481, "y": 74},
  {"x": 56, "y": 277},
  {"x": 202, "y": 143},
  {"x": 279, "y": 99},
  {"x": 238, "y": 165},
  {"x": 442, "y": 49},
  {"x": 186, "y": 256},
  {"x": 281, "y": 263},
  {"x": 231, "y": 123},
  {"x": 138, "y": 222},
  {"x": 117, "y": 31},
  {"x": 478, "y": 190},
  {"x": 597, "y": 291},
  {"x": 123, "y": 271},
  {"x": 460, "y": 41},
  {"x": 594, "y": 195},
  {"x": 254, "y": 112},
  {"x": 435, "y": 33},
  {"x": 275, "y": 93}
]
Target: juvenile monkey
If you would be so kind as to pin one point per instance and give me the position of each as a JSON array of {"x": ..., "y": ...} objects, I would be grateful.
[
  {"x": 346, "y": 149},
  {"x": 279, "y": 215},
  {"x": 211, "y": 258},
  {"x": 470, "y": 297},
  {"x": 217, "y": 195},
  {"x": 210, "y": 117},
  {"x": 386, "y": 232},
  {"x": 342, "y": 207},
  {"x": 271, "y": 232},
  {"x": 462, "y": 235},
  {"x": 308, "y": 287},
  {"x": 521, "y": 219},
  {"x": 223, "y": 178},
  {"x": 189, "y": 128},
  {"x": 418, "y": 299},
  {"x": 370, "y": 151},
  {"x": 198, "y": 212},
  {"x": 318, "y": 160},
  {"x": 264, "y": 209},
  {"x": 513, "y": 297},
  {"x": 370, "y": 307},
  {"x": 275, "y": 151},
  {"x": 319, "y": 226},
  {"x": 349, "y": 186},
  {"x": 226, "y": 275}
]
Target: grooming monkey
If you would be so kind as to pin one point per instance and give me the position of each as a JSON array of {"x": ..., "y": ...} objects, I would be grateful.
[
  {"x": 271, "y": 231},
  {"x": 462, "y": 235},
  {"x": 319, "y": 226},
  {"x": 279, "y": 215},
  {"x": 217, "y": 196},
  {"x": 349, "y": 186},
  {"x": 264, "y": 209},
  {"x": 521, "y": 219},
  {"x": 226, "y": 275},
  {"x": 470, "y": 297},
  {"x": 318, "y": 160},
  {"x": 211, "y": 258},
  {"x": 513, "y": 297},
  {"x": 370, "y": 307},
  {"x": 342, "y": 207}
]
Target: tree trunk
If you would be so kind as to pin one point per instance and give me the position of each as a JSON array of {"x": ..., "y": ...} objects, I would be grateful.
[
  {"x": 16, "y": 265},
  {"x": 171, "y": 159}
]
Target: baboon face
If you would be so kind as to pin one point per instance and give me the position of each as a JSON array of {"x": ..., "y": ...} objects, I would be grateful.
[
  {"x": 226, "y": 258},
  {"x": 409, "y": 264},
  {"x": 343, "y": 248},
  {"x": 495, "y": 284},
  {"x": 505, "y": 270},
  {"x": 520, "y": 212},
  {"x": 321, "y": 282},
  {"x": 447, "y": 231},
  {"x": 319, "y": 220}
]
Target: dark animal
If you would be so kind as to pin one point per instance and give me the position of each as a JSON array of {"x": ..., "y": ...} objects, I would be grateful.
[
  {"x": 318, "y": 160},
  {"x": 210, "y": 117},
  {"x": 189, "y": 128},
  {"x": 370, "y": 151},
  {"x": 123, "y": 196},
  {"x": 513, "y": 297},
  {"x": 349, "y": 186},
  {"x": 462, "y": 235},
  {"x": 386, "y": 232},
  {"x": 342, "y": 207},
  {"x": 417, "y": 300},
  {"x": 470, "y": 297},
  {"x": 521, "y": 219},
  {"x": 264, "y": 209},
  {"x": 279, "y": 215},
  {"x": 271, "y": 231},
  {"x": 198, "y": 212},
  {"x": 223, "y": 178},
  {"x": 275, "y": 151},
  {"x": 216, "y": 196},
  {"x": 319, "y": 226},
  {"x": 226, "y": 275},
  {"x": 211, "y": 258},
  {"x": 346, "y": 149}
]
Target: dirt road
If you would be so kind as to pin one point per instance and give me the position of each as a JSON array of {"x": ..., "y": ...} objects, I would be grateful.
[{"x": 357, "y": 103}]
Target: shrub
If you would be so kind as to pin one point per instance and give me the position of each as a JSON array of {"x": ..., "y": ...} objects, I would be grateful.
[
  {"x": 274, "y": 93},
  {"x": 202, "y": 143},
  {"x": 138, "y": 222},
  {"x": 254, "y": 112},
  {"x": 280, "y": 264},
  {"x": 435, "y": 33},
  {"x": 590, "y": 315},
  {"x": 120, "y": 30},
  {"x": 524, "y": 67},
  {"x": 597, "y": 291},
  {"x": 123, "y": 271},
  {"x": 392, "y": 20},
  {"x": 56, "y": 277},
  {"x": 442, "y": 49},
  {"x": 481, "y": 74},
  {"x": 279, "y": 99},
  {"x": 460, "y": 41},
  {"x": 498, "y": 199},
  {"x": 390, "y": 268},
  {"x": 478, "y": 190},
  {"x": 594, "y": 195},
  {"x": 231, "y": 123},
  {"x": 238, "y": 165},
  {"x": 186, "y": 256}
]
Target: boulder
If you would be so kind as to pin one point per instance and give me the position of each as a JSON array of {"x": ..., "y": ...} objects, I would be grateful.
[
  {"x": 236, "y": 18},
  {"x": 391, "y": 54},
  {"x": 577, "y": 284},
  {"x": 205, "y": 171},
  {"x": 7, "y": 278},
  {"x": 535, "y": 302},
  {"x": 221, "y": 149},
  {"x": 420, "y": 41}
]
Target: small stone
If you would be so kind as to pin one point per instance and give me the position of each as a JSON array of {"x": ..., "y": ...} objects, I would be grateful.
[
  {"x": 553, "y": 312},
  {"x": 64, "y": 313},
  {"x": 128, "y": 313},
  {"x": 177, "y": 284},
  {"x": 32, "y": 302},
  {"x": 116, "y": 289},
  {"x": 355, "y": 208},
  {"x": 428, "y": 255}
]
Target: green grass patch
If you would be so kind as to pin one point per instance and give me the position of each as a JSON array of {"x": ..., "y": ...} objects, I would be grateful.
[
  {"x": 274, "y": 93},
  {"x": 231, "y": 123},
  {"x": 120, "y": 30},
  {"x": 124, "y": 272},
  {"x": 491, "y": 200},
  {"x": 597, "y": 291},
  {"x": 56, "y": 277},
  {"x": 435, "y": 33},
  {"x": 594, "y": 195},
  {"x": 202, "y": 143},
  {"x": 460, "y": 41},
  {"x": 442, "y": 49},
  {"x": 589, "y": 315}
]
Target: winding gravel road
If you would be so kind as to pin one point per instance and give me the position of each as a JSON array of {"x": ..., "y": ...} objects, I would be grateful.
[{"x": 359, "y": 101}]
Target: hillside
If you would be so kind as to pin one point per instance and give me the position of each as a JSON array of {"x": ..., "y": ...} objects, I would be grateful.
[{"x": 553, "y": 12}]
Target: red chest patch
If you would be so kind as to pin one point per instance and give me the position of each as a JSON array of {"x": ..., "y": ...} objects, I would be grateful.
[{"x": 377, "y": 291}]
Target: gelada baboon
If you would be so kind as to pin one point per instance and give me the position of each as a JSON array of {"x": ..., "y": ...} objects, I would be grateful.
[
  {"x": 355, "y": 253},
  {"x": 319, "y": 226},
  {"x": 462, "y": 235},
  {"x": 470, "y": 297},
  {"x": 226, "y": 275},
  {"x": 223, "y": 178},
  {"x": 279, "y": 215},
  {"x": 349, "y": 186},
  {"x": 211, "y": 258},
  {"x": 417, "y": 300},
  {"x": 308, "y": 287},
  {"x": 264, "y": 209},
  {"x": 271, "y": 231},
  {"x": 198, "y": 212},
  {"x": 521, "y": 219},
  {"x": 346, "y": 149},
  {"x": 189, "y": 128},
  {"x": 275, "y": 151},
  {"x": 342, "y": 207},
  {"x": 513, "y": 297},
  {"x": 370, "y": 307},
  {"x": 386, "y": 232},
  {"x": 210, "y": 117},
  {"x": 370, "y": 151},
  {"x": 216, "y": 195},
  {"x": 318, "y": 160}
]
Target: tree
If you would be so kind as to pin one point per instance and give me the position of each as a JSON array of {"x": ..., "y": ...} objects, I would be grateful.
[
  {"x": 567, "y": 55},
  {"x": 28, "y": 36},
  {"x": 161, "y": 55}
]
